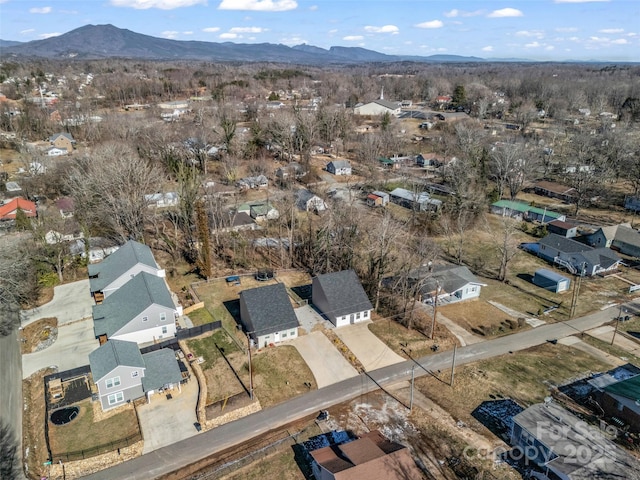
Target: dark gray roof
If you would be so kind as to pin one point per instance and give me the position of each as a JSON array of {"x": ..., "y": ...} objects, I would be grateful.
[
  {"x": 112, "y": 354},
  {"x": 116, "y": 264},
  {"x": 344, "y": 293},
  {"x": 62, "y": 134},
  {"x": 627, "y": 235},
  {"x": 565, "y": 245},
  {"x": 448, "y": 277},
  {"x": 605, "y": 257},
  {"x": 269, "y": 309},
  {"x": 340, "y": 164},
  {"x": 162, "y": 369},
  {"x": 387, "y": 103},
  {"x": 130, "y": 300}
]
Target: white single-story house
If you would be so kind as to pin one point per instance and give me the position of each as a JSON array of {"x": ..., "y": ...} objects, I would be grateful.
[{"x": 341, "y": 298}]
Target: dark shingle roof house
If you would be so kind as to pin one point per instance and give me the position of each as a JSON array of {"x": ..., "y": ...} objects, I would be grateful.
[
  {"x": 448, "y": 278},
  {"x": 266, "y": 310},
  {"x": 113, "y": 354},
  {"x": 162, "y": 369},
  {"x": 129, "y": 301},
  {"x": 340, "y": 294},
  {"x": 130, "y": 255}
]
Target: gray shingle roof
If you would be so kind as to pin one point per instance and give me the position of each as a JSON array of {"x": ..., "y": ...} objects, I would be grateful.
[
  {"x": 269, "y": 309},
  {"x": 627, "y": 235},
  {"x": 340, "y": 164},
  {"x": 112, "y": 354},
  {"x": 162, "y": 369},
  {"x": 605, "y": 257},
  {"x": 130, "y": 300},
  {"x": 112, "y": 267},
  {"x": 565, "y": 245},
  {"x": 448, "y": 277},
  {"x": 387, "y": 103},
  {"x": 344, "y": 293}
]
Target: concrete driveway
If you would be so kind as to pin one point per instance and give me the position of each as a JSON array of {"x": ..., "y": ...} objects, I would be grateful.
[
  {"x": 70, "y": 350},
  {"x": 368, "y": 348},
  {"x": 308, "y": 318},
  {"x": 605, "y": 333},
  {"x": 71, "y": 302},
  {"x": 164, "y": 422},
  {"x": 325, "y": 361}
]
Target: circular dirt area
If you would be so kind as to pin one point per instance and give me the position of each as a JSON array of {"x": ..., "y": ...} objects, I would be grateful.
[{"x": 64, "y": 415}]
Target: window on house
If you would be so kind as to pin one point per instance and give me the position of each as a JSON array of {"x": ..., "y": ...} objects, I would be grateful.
[
  {"x": 112, "y": 382},
  {"x": 267, "y": 337},
  {"x": 620, "y": 406},
  {"x": 284, "y": 334},
  {"x": 145, "y": 319},
  {"x": 358, "y": 316},
  {"x": 292, "y": 333},
  {"x": 134, "y": 374},
  {"x": 114, "y": 398},
  {"x": 164, "y": 330},
  {"x": 163, "y": 317},
  {"x": 365, "y": 314}
]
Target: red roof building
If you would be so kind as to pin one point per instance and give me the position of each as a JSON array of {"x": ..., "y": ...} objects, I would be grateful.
[{"x": 9, "y": 209}]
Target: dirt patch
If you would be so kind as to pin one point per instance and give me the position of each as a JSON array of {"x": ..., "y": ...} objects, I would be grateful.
[
  {"x": 402, "y": 340},
  {"x": 481, "y": 318},
  {"x": 33, "y": 421},
  {"x": 45, "y": 295},
  {"x": 38, "y": 335}
]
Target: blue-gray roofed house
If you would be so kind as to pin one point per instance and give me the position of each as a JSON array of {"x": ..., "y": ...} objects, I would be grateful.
[
  {"x": 341, "y": 298},
  {"x": 119, "y": 267},
  {"x": 123, "y": 374},
  {"x": 576, "y": 256},
  {"x": 267, "y": 315},
  {"x": 141, "y": 311}
]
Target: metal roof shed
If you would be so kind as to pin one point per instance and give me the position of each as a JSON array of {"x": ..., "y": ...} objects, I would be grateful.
[{"x": 551, "y": 280}]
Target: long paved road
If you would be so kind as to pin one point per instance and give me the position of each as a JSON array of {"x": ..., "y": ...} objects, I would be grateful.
[
  {"x": 186, "y": 452},
  {"x": 11, "y": 388}
]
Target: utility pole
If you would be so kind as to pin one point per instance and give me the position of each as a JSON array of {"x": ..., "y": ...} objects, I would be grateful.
[
  {"x": 576, "y": 291},
  {"x": 250, "y": 372},
  {"x": 617, "y": 323},
  {"x": 413, "y": 376},
  {"x": 435, "y": 311},
  {"x": 453, "y": 364}
]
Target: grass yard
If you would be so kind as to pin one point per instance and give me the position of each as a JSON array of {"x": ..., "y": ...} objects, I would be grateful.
[
  {"x": 481, "y": 318},
  {"x": 84, "y": 433},
  {"x": 398, "y": 338},
  {"x": 200, "y": 317},
  {"x": 522, "y": 376},
  {"x": 611, "y": 349},
  {"x": 280, "y": 373}
]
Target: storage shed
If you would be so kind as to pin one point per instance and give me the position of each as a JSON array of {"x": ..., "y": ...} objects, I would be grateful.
[{"x": 551, "y": 281}]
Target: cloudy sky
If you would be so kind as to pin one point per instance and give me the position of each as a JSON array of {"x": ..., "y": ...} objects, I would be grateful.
[{"x": 533, "y": 29}]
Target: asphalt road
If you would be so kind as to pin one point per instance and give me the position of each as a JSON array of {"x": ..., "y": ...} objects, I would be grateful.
[
  {"x": 11, "y": 388},
  {"x": 186, "y": 452}
]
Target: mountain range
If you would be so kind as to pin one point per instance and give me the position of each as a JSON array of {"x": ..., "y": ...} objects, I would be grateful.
[{"x": 108, "y": 41}]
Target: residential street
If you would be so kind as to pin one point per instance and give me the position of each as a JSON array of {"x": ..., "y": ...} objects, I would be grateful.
[{"x": 173, "y": 457}]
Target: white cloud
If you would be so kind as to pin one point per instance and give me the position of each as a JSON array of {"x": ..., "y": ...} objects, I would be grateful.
[
  {"x": 549, "y": 47},
  {"x": 461, "y": 13},
  {"x": 28, "y": 30},
  {"x": 247, "y": 30},
  {"x": 566, "y": 29},
  {"x": 293, "y": 40},
  {"x": 228, "y": 36},
  {"x": 313, "y": 8},
  {"x": 384, "y": 29},
  {"x": 430, "y": 24},
  {"x": 530, "y": 33},
  {"x": 579, "y": 1},
  {"x": 488, "y": 48},
  {"x": 40, "y": 10},
  {"x": 49, "y": 35},
  {"x": 188, "y": 32},
  {"x": 332, "y": 31},
  {"x": 533, "y": 45},
  {"x": 211, "y": 29},
  {"x": 170, "y": 33},
  {"x": 259, "y": 5},
  {"x": 620, "y": 41},
  {"x": 160, "y": 4},
  {"x": 353, "y": 38},
  {"x": 506, "y": 12},
  {"x": 611, "y": 30}
]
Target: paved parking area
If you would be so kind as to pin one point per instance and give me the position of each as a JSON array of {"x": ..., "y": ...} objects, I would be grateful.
[
  {"x": 309, "y": 318},
  {"x": 71, "y": 302},
  {"x": 369, "y": 349},
  {"x": 70, "y": 350},
  {"x": 323, "y": 358},
  {"x": 164, "y": 422}
]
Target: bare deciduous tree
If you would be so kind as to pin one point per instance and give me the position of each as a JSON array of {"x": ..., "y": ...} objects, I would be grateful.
[{"x": 109, "y": 191}]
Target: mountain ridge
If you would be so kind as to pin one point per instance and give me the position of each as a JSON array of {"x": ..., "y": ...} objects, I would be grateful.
[{"x": 108, "y": 41}]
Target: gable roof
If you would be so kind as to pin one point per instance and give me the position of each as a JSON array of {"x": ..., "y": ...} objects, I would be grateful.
[
  {"x": 387, "y": 104},
  {"x": 344, "y": 292},
  {"x": 116, "y": 264},
  {"x": 604, "y": 257},
  {"x": 555, "y": 188},
  {"x": 161, "y": 369},
  {"x": 563, "y": 244},
  {"x": 448, "y": 277},
  {"x": 269, "y": 309},
  {"x": 130, "y": 300},
  {"x": 340, "y": 164},
  {"x": 66, "y": 135},
  {"x": 113, "y": 354},
  {"x": 626, "y": 234},
  {"x": 7, "y": 211}
]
